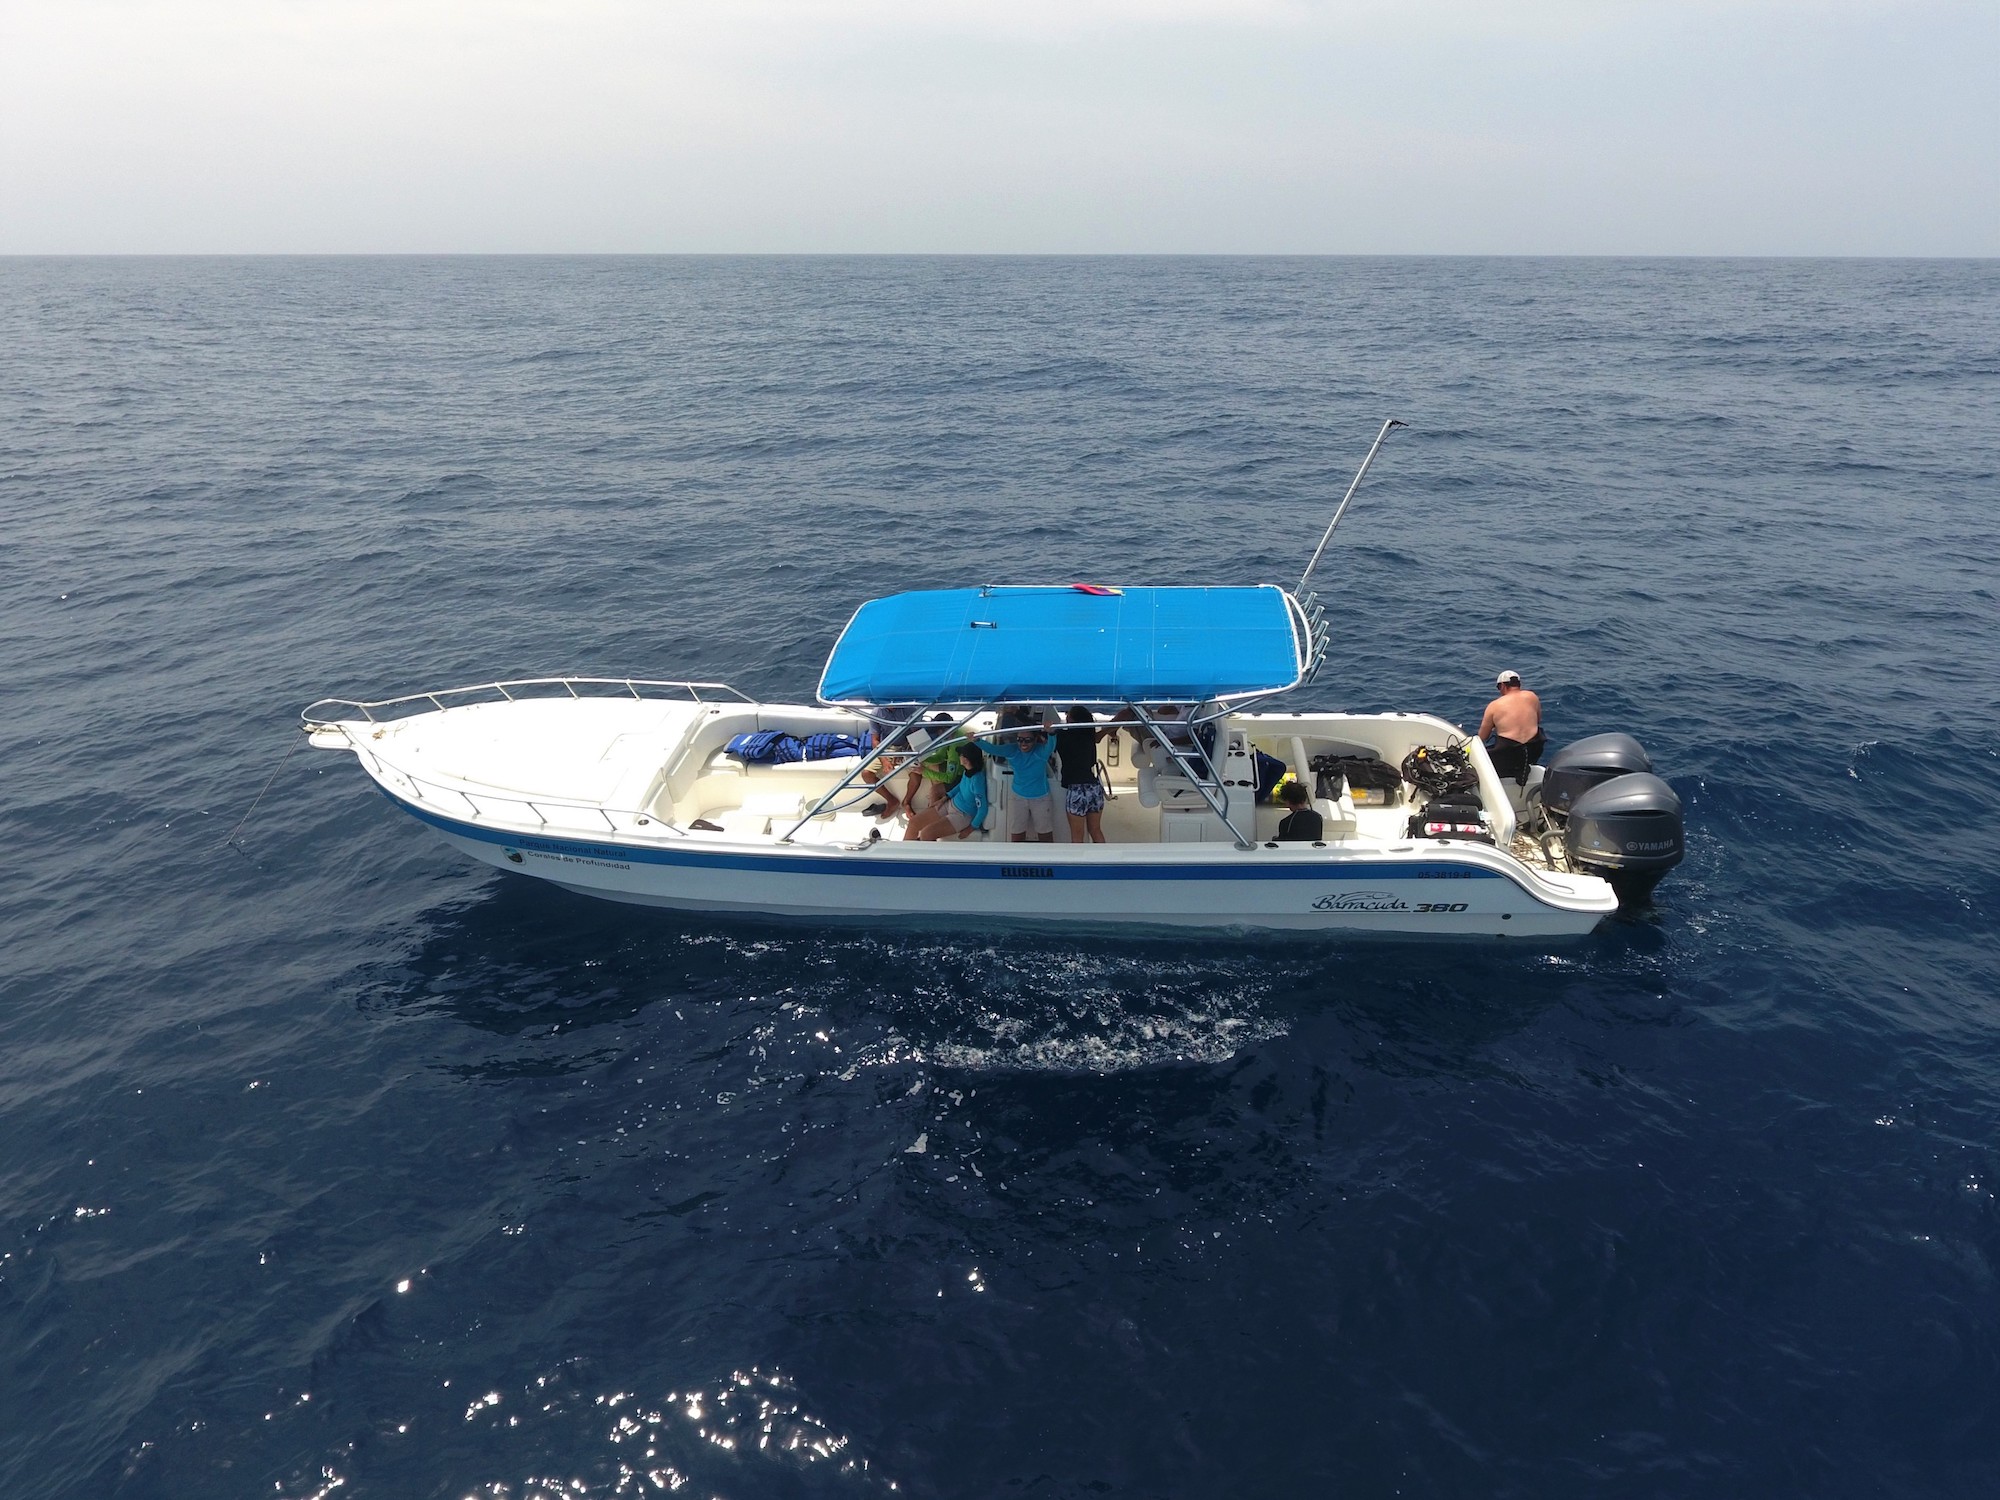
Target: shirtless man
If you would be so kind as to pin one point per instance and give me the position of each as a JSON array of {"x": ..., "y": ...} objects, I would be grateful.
[{"x": 1512, "y": 728}]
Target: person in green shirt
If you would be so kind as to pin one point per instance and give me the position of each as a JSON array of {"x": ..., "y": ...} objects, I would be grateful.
[{"x": 931, "y": 782}]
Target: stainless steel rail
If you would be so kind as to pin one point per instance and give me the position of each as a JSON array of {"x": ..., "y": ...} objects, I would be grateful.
[
  {"x": 514, "y": 690},
  {"x": 1315, "y": 630},
  {"x": 435, "y": 793}
]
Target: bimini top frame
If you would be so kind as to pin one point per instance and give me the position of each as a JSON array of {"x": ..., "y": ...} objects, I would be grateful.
[
  {"x": 1204, "y": 651},
  {"x": 897, "y": 740}
]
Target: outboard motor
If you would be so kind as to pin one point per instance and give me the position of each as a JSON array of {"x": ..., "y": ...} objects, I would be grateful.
[
  {"x": 1626, "y": 829},
  {"x": 1575, "y": 769}
]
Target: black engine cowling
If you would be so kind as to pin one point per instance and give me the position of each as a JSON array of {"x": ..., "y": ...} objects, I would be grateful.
[
  {"x": 1626, "y": 829},
  {"x": 1591, "y": 761}
]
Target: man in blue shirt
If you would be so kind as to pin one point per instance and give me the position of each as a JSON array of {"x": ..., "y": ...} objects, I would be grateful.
[{"x": 1032, "y": 807}]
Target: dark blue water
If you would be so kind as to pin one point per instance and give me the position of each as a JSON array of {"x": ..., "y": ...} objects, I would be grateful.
[{"x": 334, "y": 1164}]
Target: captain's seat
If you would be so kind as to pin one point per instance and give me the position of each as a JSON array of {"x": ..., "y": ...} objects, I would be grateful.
[{"x": 1337, "y": 813}]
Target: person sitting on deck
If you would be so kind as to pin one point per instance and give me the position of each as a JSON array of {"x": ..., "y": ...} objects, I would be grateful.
[
  {"x": 1301, "y": 825},
  {"x": 1512, "y": 729},
  {"x": 963, "y": 808},
  {"x": 933, "y": 777},
  {"x": 881, "y": 775},
  {"x": 1031, "y": 812}
]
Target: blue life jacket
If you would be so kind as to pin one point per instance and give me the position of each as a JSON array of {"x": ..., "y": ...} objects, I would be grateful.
[
  {"x": 1270, "y": 771},
  {"x": 766, "y": 746},
  {"x": 828, "y": 746}
]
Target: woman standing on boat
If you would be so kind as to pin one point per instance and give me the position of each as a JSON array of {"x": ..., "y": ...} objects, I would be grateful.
[{"x": 1083, "y": 788}]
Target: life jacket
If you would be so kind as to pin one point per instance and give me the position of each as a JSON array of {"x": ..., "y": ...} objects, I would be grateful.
[
  {"x": 766, "y": 747},
  {"x": 828, "y": 746},
  {"x": 1270, "y": 772}
]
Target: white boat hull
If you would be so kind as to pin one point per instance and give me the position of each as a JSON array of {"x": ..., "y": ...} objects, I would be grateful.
[
  {"x": 635, "y": 800},
  {"x": 1439, "y": 891}
]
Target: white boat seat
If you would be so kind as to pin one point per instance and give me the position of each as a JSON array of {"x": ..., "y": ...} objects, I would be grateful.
[
  {"x": 1337, "y": 815},
  {"x": 839, "y": 765},
  {"x": 1178, "y": 791},
  {"x": 773, "y": 804}
]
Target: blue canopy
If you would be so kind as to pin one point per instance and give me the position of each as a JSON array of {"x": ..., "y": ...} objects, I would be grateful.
[{"x": 1062, "y": 644}]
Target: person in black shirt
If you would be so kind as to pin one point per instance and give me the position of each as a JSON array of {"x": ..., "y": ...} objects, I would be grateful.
[
  {"x": 1302, "y": 825},
  {"x": 1083, "y": 789}
]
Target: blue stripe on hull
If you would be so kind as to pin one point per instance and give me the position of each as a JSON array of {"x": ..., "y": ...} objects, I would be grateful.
[{"x": 816, "y": 863}]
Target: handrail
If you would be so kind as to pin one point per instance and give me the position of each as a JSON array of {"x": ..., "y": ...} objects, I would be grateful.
[
  {"x": 632, "y": 686},
  {"x": 1191, "y": 764},
  {"x": 533, "y": 804},
  {"x": 882, "y": 750},
  {"x": 1190, "y": 768},
  {"x": 1314, "y": 629}
]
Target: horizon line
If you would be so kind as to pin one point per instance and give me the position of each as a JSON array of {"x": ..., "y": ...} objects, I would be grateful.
[{"x": 1655, "y": 255}]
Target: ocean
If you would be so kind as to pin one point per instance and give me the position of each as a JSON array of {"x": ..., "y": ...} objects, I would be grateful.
[{"x": 330, "y": 1163}]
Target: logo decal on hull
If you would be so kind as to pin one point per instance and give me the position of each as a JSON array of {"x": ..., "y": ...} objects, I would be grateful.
[
  {"x": 1382, "y": 901},
  {"x": 1360, "y": 901}
]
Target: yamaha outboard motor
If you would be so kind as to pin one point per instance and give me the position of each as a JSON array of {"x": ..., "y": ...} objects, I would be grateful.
[
  {"x": 1626, "y": 829},
  {"x": 1575, "y": 769},
  {"x": 1617, "y": 820}
]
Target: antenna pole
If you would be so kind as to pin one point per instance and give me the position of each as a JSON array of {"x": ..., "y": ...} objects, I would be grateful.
[{"x": 1387, "y": 427}]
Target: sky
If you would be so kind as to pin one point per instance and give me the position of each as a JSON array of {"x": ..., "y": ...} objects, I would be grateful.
[{"x": 1625, "y": 127}]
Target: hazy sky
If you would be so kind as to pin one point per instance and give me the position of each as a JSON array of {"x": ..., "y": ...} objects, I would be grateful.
[{"x": 1511, "y": 126}]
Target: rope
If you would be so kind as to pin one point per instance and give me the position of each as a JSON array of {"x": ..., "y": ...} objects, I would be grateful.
[{"x": 260, "y": 796}]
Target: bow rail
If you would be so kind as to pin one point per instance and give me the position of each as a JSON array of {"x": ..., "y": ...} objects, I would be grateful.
[
  {"x": 569, "y": 813},
  {"x": 333, "y": 710}
]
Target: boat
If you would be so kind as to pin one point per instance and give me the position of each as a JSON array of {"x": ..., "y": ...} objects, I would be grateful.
[{"x": 694, "y": 796}]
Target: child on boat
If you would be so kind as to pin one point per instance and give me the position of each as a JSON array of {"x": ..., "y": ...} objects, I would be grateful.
[
  {"x": 1301, "y": 825},
  {"x": 963, "y": 808},
  {"x": 934, "y": 776},
  {"x": 1031, "y": 808}
]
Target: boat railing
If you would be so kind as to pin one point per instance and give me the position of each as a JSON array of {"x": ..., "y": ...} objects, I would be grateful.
[
  {"x": 458, "y": 800},
  {"x": 1314, "y": 630},
  {"x": 330, "y": 710}
]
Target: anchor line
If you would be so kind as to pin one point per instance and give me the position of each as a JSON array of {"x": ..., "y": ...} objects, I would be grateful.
[{"x": 260, "y": 795}]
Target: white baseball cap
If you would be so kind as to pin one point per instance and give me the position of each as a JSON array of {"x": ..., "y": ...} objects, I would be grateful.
[{"x": 1506, "y": 677}]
